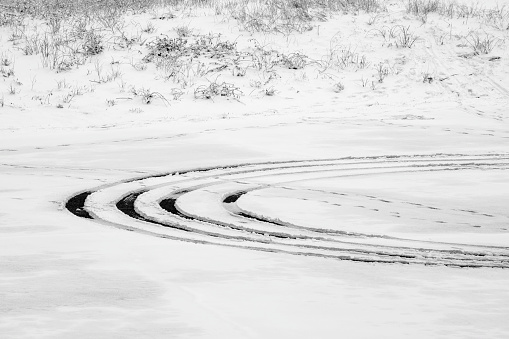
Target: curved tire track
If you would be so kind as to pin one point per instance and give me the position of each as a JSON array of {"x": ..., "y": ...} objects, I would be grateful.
[{"x": 199, "y": 206}]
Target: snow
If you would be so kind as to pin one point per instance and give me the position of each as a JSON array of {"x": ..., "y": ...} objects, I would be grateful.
[{"x": 306, "y": 158}]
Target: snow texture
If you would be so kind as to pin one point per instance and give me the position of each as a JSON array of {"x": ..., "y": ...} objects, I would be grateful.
[{"x": 297, "y": 209}]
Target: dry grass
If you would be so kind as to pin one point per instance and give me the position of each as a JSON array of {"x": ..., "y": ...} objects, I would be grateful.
[{"x": 496, "y": 17}]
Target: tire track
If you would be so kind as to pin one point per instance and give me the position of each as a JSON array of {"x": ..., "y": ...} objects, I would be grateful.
[{"x": 199, "y": 206}]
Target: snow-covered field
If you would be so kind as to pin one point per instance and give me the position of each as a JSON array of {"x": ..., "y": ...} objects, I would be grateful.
[{"x": 345, "y": 177}]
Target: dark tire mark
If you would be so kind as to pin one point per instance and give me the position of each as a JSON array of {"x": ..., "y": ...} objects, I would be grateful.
[
  {"x": 327, "y": 243},
  {"x": 76, "y": 205}
]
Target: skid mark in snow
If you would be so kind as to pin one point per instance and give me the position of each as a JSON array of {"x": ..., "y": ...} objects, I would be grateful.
[{"x": 200, "y": 206}]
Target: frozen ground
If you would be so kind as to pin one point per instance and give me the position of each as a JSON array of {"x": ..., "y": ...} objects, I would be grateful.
[{"x": 376, "y": 212}]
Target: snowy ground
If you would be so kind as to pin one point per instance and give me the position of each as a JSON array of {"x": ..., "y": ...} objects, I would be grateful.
[{"x": 373, "y": 196}]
